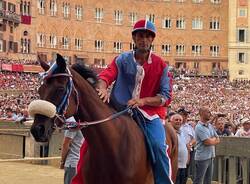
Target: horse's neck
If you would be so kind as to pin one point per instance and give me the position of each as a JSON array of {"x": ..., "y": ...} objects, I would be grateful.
[{"x": 91, "y": 108}]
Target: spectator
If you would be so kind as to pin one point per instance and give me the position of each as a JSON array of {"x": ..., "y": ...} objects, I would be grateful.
[
  {"x": 176, "y": 121},
  {"x": 189, "y": 134},
  {"x": 206, "y": 138},
  {"x": 10, "y": 115},
  {"x": 70, "y": 152},
  {"x": 245, "y": 130},
  {"x": 220, "y": 127}
]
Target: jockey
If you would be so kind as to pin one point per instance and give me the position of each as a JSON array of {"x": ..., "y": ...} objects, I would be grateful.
[{"x": 142, "y": 81}]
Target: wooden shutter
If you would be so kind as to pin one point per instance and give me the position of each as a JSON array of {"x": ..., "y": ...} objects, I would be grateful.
[
  {"x": 15, "y": 47},
  {"x": 4, "y": 45}
]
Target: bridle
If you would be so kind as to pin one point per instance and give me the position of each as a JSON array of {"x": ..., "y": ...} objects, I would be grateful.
[{"x": 61, "y": 109}]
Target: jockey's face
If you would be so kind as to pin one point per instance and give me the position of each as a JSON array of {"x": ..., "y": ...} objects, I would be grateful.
[{"x": 143, "y": 40}]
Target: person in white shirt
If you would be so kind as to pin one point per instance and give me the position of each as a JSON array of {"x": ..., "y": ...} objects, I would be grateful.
[{"x": 245, "y": 130}]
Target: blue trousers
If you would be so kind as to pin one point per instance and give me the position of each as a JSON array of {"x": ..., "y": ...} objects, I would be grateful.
[
  {"x": 157, "y": 137},
  {"x": 203, "y": 171}
]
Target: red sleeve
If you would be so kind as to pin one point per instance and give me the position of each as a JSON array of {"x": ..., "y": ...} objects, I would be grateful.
[{"x": 109, "y": 74}]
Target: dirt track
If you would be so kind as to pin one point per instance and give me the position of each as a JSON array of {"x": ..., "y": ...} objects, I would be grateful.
[{"x": 22, "y": 173}]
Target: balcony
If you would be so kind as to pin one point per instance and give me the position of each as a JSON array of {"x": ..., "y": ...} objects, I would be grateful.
[{"x": 9, "y": 16}]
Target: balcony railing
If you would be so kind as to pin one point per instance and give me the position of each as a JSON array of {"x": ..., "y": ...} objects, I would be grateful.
[{"x": 10, "y": 16}]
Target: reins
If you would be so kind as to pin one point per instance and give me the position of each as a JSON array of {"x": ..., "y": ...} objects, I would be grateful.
[{"x": 85, "y": 124}]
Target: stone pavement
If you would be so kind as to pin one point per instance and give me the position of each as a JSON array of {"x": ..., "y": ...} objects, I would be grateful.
[{"x": 23, "y": 173}]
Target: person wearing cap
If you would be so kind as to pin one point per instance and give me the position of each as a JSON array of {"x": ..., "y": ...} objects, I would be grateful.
[
  {"x": 245, "y": 131},
  {"x": 142, "y": 81},
  {"x": 189, "y": 135}
]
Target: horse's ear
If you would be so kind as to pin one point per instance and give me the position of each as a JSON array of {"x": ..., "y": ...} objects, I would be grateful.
[
  {"x": 60, "y": 61},
  {"x": 43, "y": 64}
]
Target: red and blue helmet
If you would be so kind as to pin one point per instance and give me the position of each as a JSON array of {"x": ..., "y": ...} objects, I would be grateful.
[{"x": 144, "y": 25}]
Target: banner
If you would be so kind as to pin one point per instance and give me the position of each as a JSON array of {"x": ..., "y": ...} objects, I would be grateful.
[
  {"x": 26, "y": 19},
  {"x": 17, "y": 68},
  {"x": 32, "y": 68},
  {"x": 7, "y": 67}
]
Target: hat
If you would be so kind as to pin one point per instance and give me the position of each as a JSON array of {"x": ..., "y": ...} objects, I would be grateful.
[
  {"x": 144, "y": 25},
  {"x": 245, "y": 120},
  {"x": 182, "y": 110}
]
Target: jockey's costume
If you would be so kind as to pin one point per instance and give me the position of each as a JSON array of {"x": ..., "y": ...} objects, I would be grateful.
[{"x": 138, "y": 81}]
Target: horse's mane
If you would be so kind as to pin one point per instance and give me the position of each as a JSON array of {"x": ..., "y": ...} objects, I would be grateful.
[{"x": 86, "y": 73}]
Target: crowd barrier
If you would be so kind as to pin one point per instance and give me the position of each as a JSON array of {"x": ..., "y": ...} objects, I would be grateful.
[
  {"x": 232, "y": 163},
  {"x": 17, "y": 143}
]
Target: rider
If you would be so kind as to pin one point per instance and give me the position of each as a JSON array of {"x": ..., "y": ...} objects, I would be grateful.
[{"x": 142, "y": 81}]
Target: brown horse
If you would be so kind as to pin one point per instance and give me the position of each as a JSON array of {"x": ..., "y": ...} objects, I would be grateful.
[{"x": 116, "y": 149}]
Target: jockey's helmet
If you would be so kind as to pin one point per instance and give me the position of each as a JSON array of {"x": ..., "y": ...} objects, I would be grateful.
[{"x": 144, "y": 25}]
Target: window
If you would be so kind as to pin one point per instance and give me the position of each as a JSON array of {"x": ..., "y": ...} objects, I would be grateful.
[
  {"x": 118, "y": 47},
  {"x": 242, "y": 57},
  {"x": 1, "y": 45},
  {"x": 25, "y": 8},
  {"x": 241, "y": 35},
  {"x": 52, "y": 41},
  {"x": 40, "y": 39},
  {"x": 197, "y": 1},
  {"x": 166, "y": 49},
  {"x": 151, "y": 18},
  {"x": 132, "y": 46},
  {"x": 241, "y": 72},
  {"x": 78, "y": 43},
  {"x": 41, "y": 6},
  {"x": 65, "y": 42},
  {"x": 118, "y": 17},
  {"x": 214, "y": 23},
  {"x": 197, "y": 23},
  {"x": 133, "y": 17},
  {"x": 66, "y": 10},
  {"x": 25, "y": 45},
  {"x": 180, "y": 23},
  {"x": 214, "y": 50},
  {"x": 11, "y": 7},
  {"x": 99, "y": 14},
  {"x": 196, "y": 50},
  {"x": 79, "y": 11},
  {"x": 242, "y": 12},
  {"x": 180, "y": 49},
  {"x": 216, "y": 1},
  {"x": 52, "y": 7},
  {"x": 11, "y": 29},
  {"x": 99, "y": 45},
  {"x": 166, "y": 23},
  {"x": 196, "y": 65},
  {"x": 99, "y": 62}
]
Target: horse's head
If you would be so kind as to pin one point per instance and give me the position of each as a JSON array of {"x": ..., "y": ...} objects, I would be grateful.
[{"x": 57, "y": 94}]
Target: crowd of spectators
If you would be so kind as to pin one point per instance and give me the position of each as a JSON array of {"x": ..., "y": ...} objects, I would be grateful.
[
  {"x": 220, "y": 95},
  {"x": 18, "y": 81},
  {"x": 18, "y": 61},
  {"x": 13, "y": 107}
]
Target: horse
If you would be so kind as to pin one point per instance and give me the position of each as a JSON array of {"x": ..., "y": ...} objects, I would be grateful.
[{"x": 116, "y": 149}]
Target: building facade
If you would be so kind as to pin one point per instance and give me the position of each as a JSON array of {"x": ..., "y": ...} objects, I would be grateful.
[
  {"x": 239, "y": 40},
  {"x": 9, "y": 22},
  {"x": 191, "y": 34}
]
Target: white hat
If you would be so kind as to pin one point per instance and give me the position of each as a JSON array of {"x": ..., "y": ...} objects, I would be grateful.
[{"x": 245, "y": 120}]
